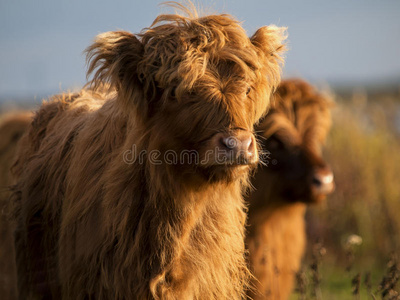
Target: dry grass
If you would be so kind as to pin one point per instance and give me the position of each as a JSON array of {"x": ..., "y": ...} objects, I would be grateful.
[{"x": 364, "y": 151}]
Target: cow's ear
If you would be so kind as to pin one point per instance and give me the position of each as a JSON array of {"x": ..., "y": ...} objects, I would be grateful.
[
  {"x": 270, "y": 42},
  {"x": 113, "y": 58}
]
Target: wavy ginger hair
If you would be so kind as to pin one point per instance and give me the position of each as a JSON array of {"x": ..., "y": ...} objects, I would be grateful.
[
  {"x": 294, "y": 132},
  {"x": 12, "y": 126},
  {"x": 91, "y": 225}
]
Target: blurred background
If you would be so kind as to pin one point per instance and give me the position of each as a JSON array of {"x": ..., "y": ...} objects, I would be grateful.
[
  {"x": 343, "y": 43},
  {"x": 349, "y": 49}
]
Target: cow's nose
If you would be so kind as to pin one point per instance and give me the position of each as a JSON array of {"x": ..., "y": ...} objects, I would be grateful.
[
  {"x": 241, "y": 148},
  {"x": 322, "y": 181}
]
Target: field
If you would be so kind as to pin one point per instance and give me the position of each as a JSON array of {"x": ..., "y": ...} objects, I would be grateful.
[
  {"x": 354, "y": 237},
  {"x": 358, "y": 227}
]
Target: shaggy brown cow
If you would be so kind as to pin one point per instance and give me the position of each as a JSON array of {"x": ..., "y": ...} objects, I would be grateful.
[
  {"x": 102, "y": 211},
  {"x": 293, "y": 132},
  {"x": 12, "y": 127}
]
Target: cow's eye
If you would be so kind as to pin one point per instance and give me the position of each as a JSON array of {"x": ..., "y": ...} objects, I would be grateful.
[
  {"x": 172, "y": 93},
  {"x": 274, "y": 143},
  {"x": 248, "y": 90}
]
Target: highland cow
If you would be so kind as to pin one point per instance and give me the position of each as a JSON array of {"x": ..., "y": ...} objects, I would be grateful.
[
  {"x": 94, "y": 222},
  {"x": 293, "y": 133},
  {"x": 12, "y": 127}
]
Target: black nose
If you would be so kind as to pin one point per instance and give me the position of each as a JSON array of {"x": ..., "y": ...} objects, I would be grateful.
[{"x": 322, "y": 181}]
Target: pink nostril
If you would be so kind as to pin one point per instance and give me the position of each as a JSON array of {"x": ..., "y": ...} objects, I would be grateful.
[
  {"x": 239, "y": 148},
  {"x": 323, "y": 181},
  {"x": 243, "y": 144},
  {"x": 229, "y": 142}
]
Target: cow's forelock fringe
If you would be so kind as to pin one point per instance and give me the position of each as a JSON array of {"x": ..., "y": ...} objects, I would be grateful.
[{"x": 175, "y": 52}]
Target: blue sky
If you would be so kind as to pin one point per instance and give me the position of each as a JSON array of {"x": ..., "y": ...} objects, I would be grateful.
[{"x": 353, "y": 41}]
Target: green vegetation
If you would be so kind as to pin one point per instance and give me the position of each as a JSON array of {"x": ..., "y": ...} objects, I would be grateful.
[{"x": 363, "y": 150}]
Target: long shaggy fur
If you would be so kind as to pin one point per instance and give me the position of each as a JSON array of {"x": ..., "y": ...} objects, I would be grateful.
[
  {"x": 92, "y": 225},
  {"x": 12, "y": 127},
  {"x": 293, "y": 132}
]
